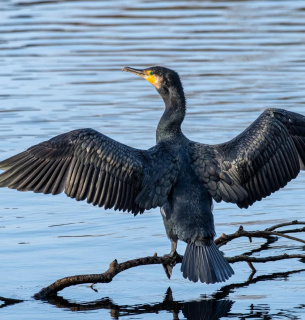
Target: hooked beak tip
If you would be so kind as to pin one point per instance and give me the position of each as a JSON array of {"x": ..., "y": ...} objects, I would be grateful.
[{"x": 137, "y": 72}]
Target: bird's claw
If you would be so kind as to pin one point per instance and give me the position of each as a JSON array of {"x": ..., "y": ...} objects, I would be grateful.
[
  {"x": 91, "y": 286},
  {"x": 168, "y": 270},
  {"x": 168, "y": 267}
]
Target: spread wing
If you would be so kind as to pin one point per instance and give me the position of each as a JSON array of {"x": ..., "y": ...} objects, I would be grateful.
[
  {"x": 258, "y": 162},
  {"x": 88, "y": 165}
]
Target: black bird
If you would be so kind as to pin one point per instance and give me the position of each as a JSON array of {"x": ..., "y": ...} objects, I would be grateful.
[{"x": 178, "y": 175}]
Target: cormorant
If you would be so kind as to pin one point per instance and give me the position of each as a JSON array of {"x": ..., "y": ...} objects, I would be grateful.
[{"x": 178, "y": 175}]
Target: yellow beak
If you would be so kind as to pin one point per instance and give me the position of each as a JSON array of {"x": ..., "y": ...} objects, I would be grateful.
[{"x": 145, "y": 74}]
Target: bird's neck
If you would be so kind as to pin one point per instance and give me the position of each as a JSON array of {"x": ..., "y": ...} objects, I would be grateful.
[{"x": 169, "y": 127}]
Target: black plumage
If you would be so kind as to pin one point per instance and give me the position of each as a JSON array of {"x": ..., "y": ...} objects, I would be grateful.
[{"x": 178, "y": 175}]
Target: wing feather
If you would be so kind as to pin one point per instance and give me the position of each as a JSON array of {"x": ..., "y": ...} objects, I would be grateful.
[
  {"x": 260, "y": 161},
  {"x": 108, "y": 192},
  {"x": 92, "y": 184},
  {"x": 40, "y": 178},
  {"x": 82, "y": 183},
  {"x": 55, "y": 169},
  {"x": 99, "y": 187},
  {"x": 89, "y": 165}
]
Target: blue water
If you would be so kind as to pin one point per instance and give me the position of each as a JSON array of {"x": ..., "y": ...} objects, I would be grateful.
[{"x": 60, "y": 69}]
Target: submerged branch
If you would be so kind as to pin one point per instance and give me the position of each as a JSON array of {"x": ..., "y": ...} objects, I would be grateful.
[{"x": 167, "y": 260}]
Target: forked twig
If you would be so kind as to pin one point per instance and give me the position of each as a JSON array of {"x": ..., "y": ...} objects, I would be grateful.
[{"x": 224, "y": 239}]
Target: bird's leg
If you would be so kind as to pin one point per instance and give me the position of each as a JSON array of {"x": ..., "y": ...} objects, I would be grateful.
[
  {"x": 173, "y": 247},
  {"x": 168, "y": 268}
]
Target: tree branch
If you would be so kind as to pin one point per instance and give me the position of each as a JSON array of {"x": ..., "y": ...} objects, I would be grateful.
[
  {"x": 285, "y": 224},
  {"x": 106, "y": 277},
  {"x": 214, "y": 304},
  {"x": 170, "y": 261},
  {"x": 224, "y": 239},
  {"x": 265, "y": 259}
]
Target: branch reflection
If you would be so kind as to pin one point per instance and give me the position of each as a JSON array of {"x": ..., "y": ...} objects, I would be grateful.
[
  {"x": 213, "y": 308},
  {"x": 207, "y": 308},
  {"x": 196, "y": 310},
  {"x": 4, "y": 302}
]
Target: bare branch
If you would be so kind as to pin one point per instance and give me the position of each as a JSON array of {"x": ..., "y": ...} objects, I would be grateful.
[
  {"x": 106, "y": 277},
  {"x": 170, "y": 261},
  {"x": 285, "y": 236},
  {"x": 224, "y": 238},
  {"x": 285, "y": 224},
  {"x": 297, "y": 230},
  {"x": 116, "y": 268},
  {"x": 266, "y": 259}
]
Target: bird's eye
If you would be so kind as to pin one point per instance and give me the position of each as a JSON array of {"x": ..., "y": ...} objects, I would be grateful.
[{"x": 151, "y": 73}]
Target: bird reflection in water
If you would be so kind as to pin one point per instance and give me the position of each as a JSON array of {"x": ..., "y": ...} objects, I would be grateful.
[{"x": 205, "y": 309}]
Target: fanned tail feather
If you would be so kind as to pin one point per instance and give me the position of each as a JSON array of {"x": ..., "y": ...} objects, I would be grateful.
[{"x": 205, "y": 263}]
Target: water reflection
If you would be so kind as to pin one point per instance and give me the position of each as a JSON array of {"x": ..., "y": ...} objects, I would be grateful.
[
  {"x": 206, "y": 308},
  {"x": 5, "y": 302},
  {"x": 226, "y": 290}
]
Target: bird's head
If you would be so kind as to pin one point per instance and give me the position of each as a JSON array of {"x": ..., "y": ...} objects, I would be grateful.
[{"x": 166, "y": 81}]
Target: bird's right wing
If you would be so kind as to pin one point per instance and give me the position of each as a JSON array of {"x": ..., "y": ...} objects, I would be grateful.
[{"x": 89, "y": 165}]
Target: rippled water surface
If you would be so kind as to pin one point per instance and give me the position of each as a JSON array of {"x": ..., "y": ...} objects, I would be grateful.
[{"x": 60, "y": 69}]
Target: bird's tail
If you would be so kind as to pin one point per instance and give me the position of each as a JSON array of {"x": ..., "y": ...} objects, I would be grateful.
[{"x": 205, "y": 263}]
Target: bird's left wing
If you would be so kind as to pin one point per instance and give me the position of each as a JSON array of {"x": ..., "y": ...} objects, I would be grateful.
[
  {"x": 258, "y": 162},
  {"x": 89, "y": 165}
]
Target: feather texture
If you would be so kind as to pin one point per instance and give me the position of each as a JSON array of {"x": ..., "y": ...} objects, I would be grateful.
[
  {"x": 88, "y": 164},
  {"x": 205, "y": 263},
  {"x": 259, "y": 161}
]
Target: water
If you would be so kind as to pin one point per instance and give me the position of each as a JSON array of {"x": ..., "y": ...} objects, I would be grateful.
[{"x": 60, "y": 65}]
